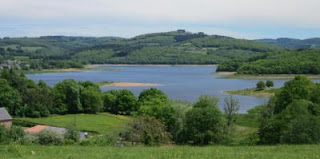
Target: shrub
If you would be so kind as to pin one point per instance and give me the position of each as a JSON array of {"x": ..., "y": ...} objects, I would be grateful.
[
  {"x": 50, "y": 138},
  {"x": 72, "y": 134},
  {"x": 261, "y": 85},
  {"x": 269, "y": 83},
  {"x": 203, "y": 126},
  {"x": 3, "y": 134},
  {"x": 101, "y": 140},
  {"x": 13, "y": 134},
  {"x": 251, "y": 140},
  {"x": 304, "y": 130},
  {"x": 146, "y": 130}
]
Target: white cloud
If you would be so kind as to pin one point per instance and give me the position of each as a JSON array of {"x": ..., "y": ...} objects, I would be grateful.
[{"x": 299, "y": 13}]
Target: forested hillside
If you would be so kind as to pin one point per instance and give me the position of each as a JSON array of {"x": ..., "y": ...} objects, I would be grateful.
[
  {"x": 284, "y": 62},
  {"x": 265, "y": 56},
  {"x": 294, "y": 43},
  {"x": 176, "y": 47}
]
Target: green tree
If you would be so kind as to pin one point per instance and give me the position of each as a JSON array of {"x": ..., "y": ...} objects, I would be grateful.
[
  {"x": 269, "y": 83},
  {"x": 261, "y": 85},
  {"x": 109, "y": 101},
  {"x": 299, "y": 88},
  {"x": 206, "y": 101},
  {"x": 120, "y": 102},
  {"x": 10, "y": 98},
  {"x": 91, "y": 100},
  {"x": 203, "y": 126},
  {"x": 38, "y": 101},
  {"x": 203, "y": 122},
  {"x": 146, "y": 130},
  {"x": 153, "y": 102},
  {"x": 152, "y": 93},
  {"x": 126, "y": 102},
  {"x": 293, "y": 114},
  {"x": 231, "y": 107},
  {"x": 67, "y": 95}
]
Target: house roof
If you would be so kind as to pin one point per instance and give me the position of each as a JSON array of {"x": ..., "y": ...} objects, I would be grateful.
[
  {"x": 36, "y": 129},
  {"x": 4, "y": 115},
  {"x": 39, "y": 128}
]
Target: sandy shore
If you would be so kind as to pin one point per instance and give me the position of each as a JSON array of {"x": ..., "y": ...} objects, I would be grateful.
[
  {"x": 225, "y": 73},
  {"x": 130, "y": 84}
]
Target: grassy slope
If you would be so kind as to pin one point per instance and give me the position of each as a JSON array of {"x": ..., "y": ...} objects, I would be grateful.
[
  {"x": 253, "y": 92},
  {"x": 165, "y": 152},
  {"x": 101, "y": 123}
]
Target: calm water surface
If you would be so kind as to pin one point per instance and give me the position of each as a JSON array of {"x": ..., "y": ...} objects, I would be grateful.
[{"x": 178, "y": 82}]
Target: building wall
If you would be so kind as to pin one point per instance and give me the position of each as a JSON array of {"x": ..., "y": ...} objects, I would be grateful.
[{"x": 7, "y": 124}]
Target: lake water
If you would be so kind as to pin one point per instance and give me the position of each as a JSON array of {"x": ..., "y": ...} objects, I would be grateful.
[{"x": 178, "y": 82}]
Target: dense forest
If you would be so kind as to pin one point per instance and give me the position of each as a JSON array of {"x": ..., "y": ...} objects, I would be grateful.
[
  {"x": 267, "y": 56},
  {"x": 303, "y": 61}
]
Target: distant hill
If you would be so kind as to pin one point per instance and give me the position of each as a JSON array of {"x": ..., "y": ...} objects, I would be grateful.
[
  {"x": 175, "y": 47},
  {"x": 293, "y": 43}
]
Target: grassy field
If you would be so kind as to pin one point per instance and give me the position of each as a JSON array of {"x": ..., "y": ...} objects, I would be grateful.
[
  {"x": 164, "y": 152},
  {"x": 101, "y": 123},
  {"x": 253, "y": 92}
]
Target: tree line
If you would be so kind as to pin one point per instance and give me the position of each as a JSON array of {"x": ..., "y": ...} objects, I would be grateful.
[{"x": 292, "y": 116}]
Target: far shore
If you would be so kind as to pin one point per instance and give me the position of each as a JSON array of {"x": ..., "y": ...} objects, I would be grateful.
[
  {"x": 129, "y": 84},
  {"x": 58, "y": 70},
  {"x": 234, "y": 75},
  {"x": 253, "y": 92},
  {"x": 165, "y": 65}
]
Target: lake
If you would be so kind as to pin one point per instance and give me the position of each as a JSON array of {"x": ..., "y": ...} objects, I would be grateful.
[{"x": 178, "y": 82}]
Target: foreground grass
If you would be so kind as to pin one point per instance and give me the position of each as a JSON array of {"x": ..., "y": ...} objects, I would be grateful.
[
  {"x": 101, "y": 123},
  {"x": 253, "y": 92},
  {"x": 165, "y": 152}
]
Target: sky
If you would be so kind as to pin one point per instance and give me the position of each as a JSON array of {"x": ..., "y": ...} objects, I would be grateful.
[{"x": 249, "y": 19}]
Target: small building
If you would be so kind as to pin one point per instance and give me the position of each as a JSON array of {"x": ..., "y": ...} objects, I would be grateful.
[{"x": 5, "y": 118}]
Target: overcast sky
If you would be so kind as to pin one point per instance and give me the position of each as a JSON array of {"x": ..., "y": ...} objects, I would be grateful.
[{"x": 126, "y": 18}]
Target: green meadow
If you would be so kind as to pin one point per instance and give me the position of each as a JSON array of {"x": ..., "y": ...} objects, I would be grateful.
[
  {"x": 100, "y": 123},
  {"x": 162, "y": 152}
]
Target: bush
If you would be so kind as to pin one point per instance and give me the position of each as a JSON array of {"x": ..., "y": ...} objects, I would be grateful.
[
  {"x": 3, "y": 134},
  {"x": 72, "y": 134},
  {"x": 101, "y": 140},
  {"x": 13, "y": 134},
  {"x": 203, "y": 126},
  {"x": 304, "y": 130},
  {"x": 251, "y": 140},
  {"x": 261, "y": 85},
  {"x": 269, "y": 83},
  {"x": 146, "y": 130},
  {"x": 50, "y": 138}
]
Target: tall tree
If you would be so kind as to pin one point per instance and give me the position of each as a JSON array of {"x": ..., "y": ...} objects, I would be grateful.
[{"x": 231, "y": 107}]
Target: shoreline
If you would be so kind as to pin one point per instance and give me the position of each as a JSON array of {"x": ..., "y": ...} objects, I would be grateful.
[
  {"x": 233, "y": 75},
  {"x": 252, "y": 92},
  {"x": 164, "y": 65},
  {"x": 65, "y": 70},
  {"x": 129, "y": 84}
]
